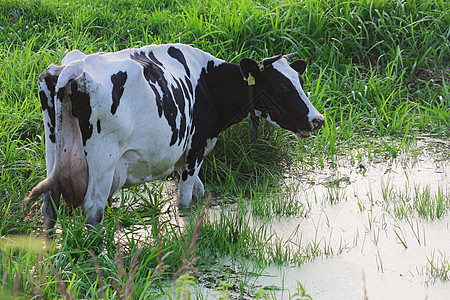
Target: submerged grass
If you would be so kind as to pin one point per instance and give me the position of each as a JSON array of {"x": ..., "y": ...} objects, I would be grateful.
[
  {"x": 417, "y": 202},
  {"x": 438, "y": 267},
  {"x": 378, "y": 70}
]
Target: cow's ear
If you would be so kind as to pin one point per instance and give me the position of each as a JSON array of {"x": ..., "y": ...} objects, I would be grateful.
[
  {"x": 299, "y": 66},
  {"x": 247, "y": 66}
]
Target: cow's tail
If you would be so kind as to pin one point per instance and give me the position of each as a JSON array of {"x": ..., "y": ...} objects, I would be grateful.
[{"x": 62, "y": 108}]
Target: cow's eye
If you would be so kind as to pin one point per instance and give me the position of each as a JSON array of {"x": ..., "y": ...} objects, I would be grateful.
[{"x": 284, "y": 88}]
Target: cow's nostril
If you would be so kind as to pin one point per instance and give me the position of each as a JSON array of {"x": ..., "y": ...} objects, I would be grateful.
[{"x": 316, "y": 123}]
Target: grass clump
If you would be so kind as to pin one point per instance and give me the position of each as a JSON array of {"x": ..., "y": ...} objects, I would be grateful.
[
  {"x": 417, "y": 202},
  {"x": 438, "y": 267}
]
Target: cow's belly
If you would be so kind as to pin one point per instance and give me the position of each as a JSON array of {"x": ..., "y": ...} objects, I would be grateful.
[{"x": 143, "y": 166}]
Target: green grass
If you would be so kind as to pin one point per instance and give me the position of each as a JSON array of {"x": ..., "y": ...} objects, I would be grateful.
[
  {"x": 378, "y": 70},
  {"x": 438, "y": 267},
  {"x": 417, "y": 202}
]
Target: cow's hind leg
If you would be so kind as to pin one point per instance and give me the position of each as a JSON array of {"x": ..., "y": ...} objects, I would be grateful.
[
  {"x": 97, "y": 195},
  {"x": 51, "y": 201}
]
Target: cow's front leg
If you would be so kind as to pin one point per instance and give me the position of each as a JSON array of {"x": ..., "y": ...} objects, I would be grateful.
[
  {"x": 190, "y": 186},
  {"x": 199, "y": 190},
  {"x": 190, "y": 183}
]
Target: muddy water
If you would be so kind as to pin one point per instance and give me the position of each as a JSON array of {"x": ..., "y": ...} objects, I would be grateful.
[{"x": 367, "y": 250}]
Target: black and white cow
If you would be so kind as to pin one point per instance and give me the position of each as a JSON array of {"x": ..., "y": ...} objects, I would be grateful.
[{"x": 119, "y": 119}]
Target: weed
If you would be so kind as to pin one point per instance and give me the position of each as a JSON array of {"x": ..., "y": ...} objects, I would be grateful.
[
  {"x": 438, "y": 267},
  {"x": 275, "y": 202},
  {"x": 300, "y": 294},
  {"x": 182, "y": 284},
  {"x": 224, "y": 291},
  {"x": 335, "y": 194},
  {"x": 417, "y": 202}
]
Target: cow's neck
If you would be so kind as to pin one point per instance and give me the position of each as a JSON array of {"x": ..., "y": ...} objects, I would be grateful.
[{"x": 230, "y": 95}]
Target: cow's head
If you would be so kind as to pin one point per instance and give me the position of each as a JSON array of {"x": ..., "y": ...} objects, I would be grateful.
[{"x": 279, "y": 96}]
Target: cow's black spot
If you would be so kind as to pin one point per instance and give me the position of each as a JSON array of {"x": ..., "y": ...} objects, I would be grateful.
[
  {"x": 141, "y": 58},
  {"x": 118, "y": 80},
  {"x": 158, "y": 99},
  {"x": 51, "y": 113},
  {"x": 154, "y": 59},
  {"x": 169, "y": 99},
  {"x": 99, "y": 128},
  {"x": 60, "y": 94},
  {"x": 144, "y": 59},
  {"x": 178, "y": 55},
  {"x": 44, "y": 100},
  {"x": 189, "y": 85},
  {"x": 50, "y": 81},
  {"x": 187, "y": 95},
  {"x": 186, "y": 140},
  {"x": 180, "y": 99},
  {"x": 184, "y": 175},
  {"x": 81, "y": 109},
  {"x": 152, "y": 74},
  {"x": 185, "y": 91}
]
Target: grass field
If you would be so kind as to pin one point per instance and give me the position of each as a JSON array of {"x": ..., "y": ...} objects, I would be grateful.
[{"x": 378, "y": 70}]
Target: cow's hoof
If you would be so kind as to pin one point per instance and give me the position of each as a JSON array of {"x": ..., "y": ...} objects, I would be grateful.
[
  {"x": 184, "y": 206},
  {"x": 198, "y": 190},
  {"x": 184, "y": 211},
  {"x": 198, "y": 193}
]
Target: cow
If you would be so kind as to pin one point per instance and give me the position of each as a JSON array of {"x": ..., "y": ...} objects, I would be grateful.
[{"x": 119, "y": 119}]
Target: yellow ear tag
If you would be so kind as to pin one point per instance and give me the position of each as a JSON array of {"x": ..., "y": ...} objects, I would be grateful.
[{"x": 251, "y": 79}]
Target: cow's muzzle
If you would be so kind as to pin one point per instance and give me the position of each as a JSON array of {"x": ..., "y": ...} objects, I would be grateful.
[
  {"x": 316, "y": 123},
  {"x": 302, "y": 134}
]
